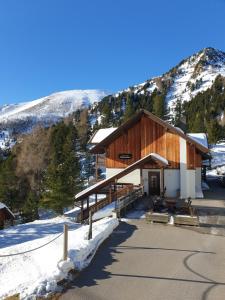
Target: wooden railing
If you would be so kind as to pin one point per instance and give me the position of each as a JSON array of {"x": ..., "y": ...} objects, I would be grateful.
[
  {"x": 126, "y": 200},
  {"x": 123, "y": 191},
  {"x": 124, "y": 195}
]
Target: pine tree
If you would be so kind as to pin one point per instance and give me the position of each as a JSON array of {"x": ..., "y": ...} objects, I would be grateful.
[
  {"x": 9, "y": 183},
  {"x": 215, "y": 131},
  {"x": 158, "y": 105},
  {"x": 30, "y": 207},
  {"x": 130, "y": 110},
  {"x": 62, "y": 180},
  {"x": 107, "y": 114}
]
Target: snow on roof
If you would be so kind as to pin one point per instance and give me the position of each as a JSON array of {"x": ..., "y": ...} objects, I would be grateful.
[
  {"x": 200, "y": 138},
  {"x": 2, "y": 205},
  {"x": 160, "y": 158},
  {"x": 178, "y": 128},
  {"x": 101, "y": 134},
  {"x": 128, "y": 169}
]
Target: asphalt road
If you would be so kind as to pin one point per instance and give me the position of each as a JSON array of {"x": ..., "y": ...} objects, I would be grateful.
[{"x": 158, "y": 262}]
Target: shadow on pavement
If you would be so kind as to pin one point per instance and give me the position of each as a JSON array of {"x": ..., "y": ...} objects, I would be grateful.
[{"x": 104, "y": 257}]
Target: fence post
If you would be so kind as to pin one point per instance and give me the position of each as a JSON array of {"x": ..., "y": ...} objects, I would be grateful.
[
  {"x": 90, "y": 225},
  {"x": 65, "y": 242}
]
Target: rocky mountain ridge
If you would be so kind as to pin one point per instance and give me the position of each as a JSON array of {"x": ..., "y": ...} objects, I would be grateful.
[{"x": 191, "y": 76}]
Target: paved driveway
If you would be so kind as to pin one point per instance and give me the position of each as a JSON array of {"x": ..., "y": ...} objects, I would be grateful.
[
  {"x": 211, "y": 209},
  {"x": 158, "y": 262}
]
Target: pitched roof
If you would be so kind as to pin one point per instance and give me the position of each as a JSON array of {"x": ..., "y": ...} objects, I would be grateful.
[
  {"x": 4, "y": 207},
  {"x": 99, "y": 148},
  {"x": 100, "y": 135},
  {"x": 161, "y": 161},
  {"x": 200, "y": 138}
]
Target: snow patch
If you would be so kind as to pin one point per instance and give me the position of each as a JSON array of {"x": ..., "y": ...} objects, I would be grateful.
[{"x": 44, "y": 267}]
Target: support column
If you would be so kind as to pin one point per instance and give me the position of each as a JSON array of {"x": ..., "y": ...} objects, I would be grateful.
[
  {"x": 82, "y": 211},
  {"x": 162, "y": 176},
  {"x": 141, "y": 175},
  {"x": 96, "y": 167},
  {"x": 110, "y": 194},
  {"x": 88, "y": 204}
]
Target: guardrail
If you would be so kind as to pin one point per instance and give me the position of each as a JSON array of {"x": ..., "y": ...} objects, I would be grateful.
[{"x": 125, "y": 190}]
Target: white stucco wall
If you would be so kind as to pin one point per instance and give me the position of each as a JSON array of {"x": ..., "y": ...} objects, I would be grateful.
[
  {"x": 171, "y": 179},
  {"x": 198, "y": 183},
  {"x": 187, "y": 177},
  {"x": 133, "y": 177},
  {"x": 183, "y": 168},
  {"x": 198, "y": 178},
  {"x": 190, "y": 178},
  {"x": 171, "y": 182}
]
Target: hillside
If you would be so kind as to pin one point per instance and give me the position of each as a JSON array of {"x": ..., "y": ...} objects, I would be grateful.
[
  {"x": 173, "y": 96},
  {"x": 191, "y": 76},
  {"x": 191, "y": 95},
  {"x": 47, "y": 110}
]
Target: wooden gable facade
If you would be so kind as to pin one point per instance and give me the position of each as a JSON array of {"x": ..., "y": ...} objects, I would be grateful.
[{"x": 148, "y": 136}]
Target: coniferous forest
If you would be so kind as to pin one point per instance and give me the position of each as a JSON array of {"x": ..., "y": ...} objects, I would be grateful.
[
  {"x": 204, "y": 113},
  {"x": 44, "y": 170}
]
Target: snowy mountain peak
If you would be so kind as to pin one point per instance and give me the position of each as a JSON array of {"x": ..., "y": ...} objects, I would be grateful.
[
  {"x": 194, "y": 75},
  {"x": 213, "y": 55},
  {"x": 52, "y": 107}
]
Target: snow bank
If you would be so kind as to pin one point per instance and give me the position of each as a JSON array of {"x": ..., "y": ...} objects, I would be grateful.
[
  {"x": 218, "y": 154},
  {"x": 37, "y": 272},
  {"x": 212, "y": 174}
]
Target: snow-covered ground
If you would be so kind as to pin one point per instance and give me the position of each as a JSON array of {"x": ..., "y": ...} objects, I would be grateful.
[
  {"x": 218, "y": 160},
  {"x": 37, "y": 272},
  {"x": 218, "y": 154},
  {"x": 6, "y": 141}
]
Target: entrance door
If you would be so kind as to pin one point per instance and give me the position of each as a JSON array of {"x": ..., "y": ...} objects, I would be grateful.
[{"x": 154, "y": 183}]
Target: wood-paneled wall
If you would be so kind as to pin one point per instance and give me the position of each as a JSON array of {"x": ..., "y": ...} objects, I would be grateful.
[
  {"x": 143, "y": 138},
  {"x": 194, "y": 159}
]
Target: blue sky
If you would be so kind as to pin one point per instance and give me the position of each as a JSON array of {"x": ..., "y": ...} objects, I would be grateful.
[{"x": 54, "y": 45}]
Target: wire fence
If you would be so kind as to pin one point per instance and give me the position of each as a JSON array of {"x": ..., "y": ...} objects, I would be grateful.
[{"x": 31, "y": 250}]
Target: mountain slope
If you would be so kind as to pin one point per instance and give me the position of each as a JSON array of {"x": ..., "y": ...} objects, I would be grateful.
[
  {"x": 190, "y": 77},
  {"x": 191, "y": 96},
  {"x": 165, "y": 96},
  {"x": 52, "y": 107}
]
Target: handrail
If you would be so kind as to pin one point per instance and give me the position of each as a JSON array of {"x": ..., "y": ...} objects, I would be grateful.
[{"x": 119, "y": 194}]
